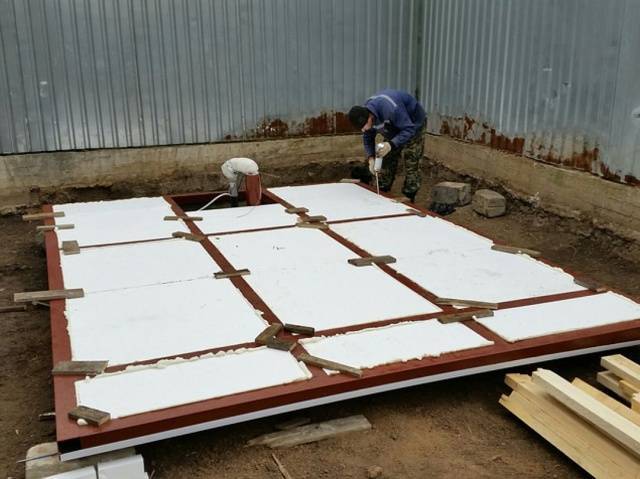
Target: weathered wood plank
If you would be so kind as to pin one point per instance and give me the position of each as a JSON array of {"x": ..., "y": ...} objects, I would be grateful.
[
  {"x": 269, "y": 332},
  {"x": 79, "y": 368},
  {"x": 187, "y": 236},
  {"x": 70, "y": 247},
  {"x": 299, "y": 329},
  {"x": 369, "y": 260},
  {"x": 231, "y": 274},
  {"x": 466, "y": 302},
  {"x": 16, "y": 308},
  {"x": 457, "y": 317},
  {"x": 48, "y": 295},
  {"x": 42, "y": 216},
  {"x": 296, "y": 209},
  {"x": 183, "y": 218},
  {"x": 516, "y": 250},
  {"x": 326, "y": 364},
  {"x": 95, "y": 417},
  {"x": 622, "y": 367},
  {"x": 312, "y": 432}
]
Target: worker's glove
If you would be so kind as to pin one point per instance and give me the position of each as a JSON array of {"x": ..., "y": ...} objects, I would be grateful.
[{"x": 383, "y": 149}]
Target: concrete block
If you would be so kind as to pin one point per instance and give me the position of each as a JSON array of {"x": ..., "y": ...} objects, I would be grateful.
[
  {"x": 127, "y": 468},
  {"x": 49, "y": 466},
  {"x": 451, "y": 193},
  {"x": 489, "y": 203}
]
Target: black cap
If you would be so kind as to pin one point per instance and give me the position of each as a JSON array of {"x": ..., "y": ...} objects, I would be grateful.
[{"x": 358, "y": 115}]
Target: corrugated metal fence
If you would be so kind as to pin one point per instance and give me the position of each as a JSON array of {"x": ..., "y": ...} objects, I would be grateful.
[{"x": 556, "y": 80}]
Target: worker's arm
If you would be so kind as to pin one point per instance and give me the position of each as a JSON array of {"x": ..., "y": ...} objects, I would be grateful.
[
  {"x": 369, "y": 139},
  {"x": 402, "y": 121}
]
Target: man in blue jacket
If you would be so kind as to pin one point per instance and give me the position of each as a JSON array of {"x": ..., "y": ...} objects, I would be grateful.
[{"x": 401, "y": 120}]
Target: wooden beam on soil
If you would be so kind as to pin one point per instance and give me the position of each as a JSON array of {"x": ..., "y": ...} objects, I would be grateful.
[
  {"x": 42, "y": 216},
  {"x": 48, "y": 295},
  {"x": 79, "y": 368}
]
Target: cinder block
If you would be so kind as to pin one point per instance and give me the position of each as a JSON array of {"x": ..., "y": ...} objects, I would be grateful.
[
  {"x": 451, "y": 193},
  {"x": 489, "y": 203}
]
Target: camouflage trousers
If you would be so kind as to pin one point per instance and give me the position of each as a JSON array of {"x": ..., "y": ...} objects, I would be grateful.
[{"x": 412, "y": 153}]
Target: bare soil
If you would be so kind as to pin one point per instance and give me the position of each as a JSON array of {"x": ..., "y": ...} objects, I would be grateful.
[{"x": 454, "y": 428}]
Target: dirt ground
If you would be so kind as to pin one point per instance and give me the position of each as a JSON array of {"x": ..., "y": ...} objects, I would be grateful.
[{"x": 454, "y": 428}]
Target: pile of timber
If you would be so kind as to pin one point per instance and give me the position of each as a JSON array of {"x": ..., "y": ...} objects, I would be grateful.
[
  {"x": 622, "y": 377},
  {"x": 597, "y": 432}
]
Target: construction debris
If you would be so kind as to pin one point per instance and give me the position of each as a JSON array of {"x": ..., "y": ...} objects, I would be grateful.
[
  {"x": 269, "y": 332},
  {"x": 188, "y": 236},
  {"x": 42, "y": 216},
  {"x": 299, "y": 329},
  {"x": 622, "y": 377},
  {"x": 451, "y": 193},
  {"x": 465, "y": 303},
  {"x": 231, "y": 274},
  {"x": 594, "y": 430},
  {"x": 369, "y": 260},
  {"x": 296, "y": 210},
  {"x": 326, "y": 364},
  {"x": 79, "y": 368},
  {"x": 312, "y": 432},
  {"x": 465, "y": 316},
  {"x": 34, "y": 296},
  {"x": 13, "y": 309},
  {"x": 70, "y": 247},
  {"x": 516, "y": 250},
  {"x": 489, "y": 203},
  {"x": 95, "y": 417},
  {"x": 280, "y": 344}
]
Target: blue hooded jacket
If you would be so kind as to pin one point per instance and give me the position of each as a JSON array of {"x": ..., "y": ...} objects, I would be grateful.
[{"x": 398, "y": 117}]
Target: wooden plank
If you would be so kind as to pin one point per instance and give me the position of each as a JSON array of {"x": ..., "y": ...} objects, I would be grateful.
[
  {"x": 296, "y": 209},
  {"x": 466, "y": 302},
  {"x": 326, "y": 364},
  {"x": 590, "y": 285},
  {"x": 70, "y": 247},
  {"x": 577, "y": 439},
  {"x": 635, "y": 403},
  {"x": 349, "y": 180},
  {"x": 231, "y": 274},
  {"x": 299, "y": 329},
  {"x": 49, "y": 295},
  {"x": 413, "y": 211},
  {"x": 42, "y": 216},
  {"x": 590, "y": 409},
  {"x": 457, "y": 317},
  {"x": 95, "y": 417},
  {"x": 623, "y": 368},
  {"x": 47, "y": 416},
  {"x": 187, "y": 236},
  {"x": 608, "y": 401},
  {"x": 315, "y": 219},
  {"x": 312, "y": 432},
  {"x": 369, "y": 260},
  {"x": 627, "y": 388},
  {"x": 612, "y": 383},
  {"x": 269, "y": 332},
  {"x": 318, "y": 226},
  {"x": 79, "y": 368},
  {"x": 16, "y": 308},
  {"x": 291, "y": 423},
  {"x": 516, "y": 250},
  {"x": 280, "y": 344},
  {"x": 183, "y": 218},
  {"x": 54, "y": 227}
]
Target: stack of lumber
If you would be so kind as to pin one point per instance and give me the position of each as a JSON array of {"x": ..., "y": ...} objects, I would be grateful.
[
  {"x": 622, "y": 376},
  {"x": 597, "y": 432}
]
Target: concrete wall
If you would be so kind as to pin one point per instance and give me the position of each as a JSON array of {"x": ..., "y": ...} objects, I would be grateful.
[
  {"x": 30, "y": 179},
  {"x": 560, "y": 190}
]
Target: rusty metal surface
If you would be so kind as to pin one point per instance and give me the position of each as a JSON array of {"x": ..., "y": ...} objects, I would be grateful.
[
  {"x": 82, "y": 74},
  {"x": 553, "y": 80}
]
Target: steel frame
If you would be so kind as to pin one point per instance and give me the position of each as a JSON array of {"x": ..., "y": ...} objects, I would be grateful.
[{"x": 79, "y": 441}]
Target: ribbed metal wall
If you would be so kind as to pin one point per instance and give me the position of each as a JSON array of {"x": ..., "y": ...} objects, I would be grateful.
[
  {"x": 79, "y": 74},
  {"x": 555, "y": 80}
]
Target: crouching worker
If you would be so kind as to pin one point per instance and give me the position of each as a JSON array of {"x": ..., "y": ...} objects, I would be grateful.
[
  {"x": 235, "y": 171},
  {"x": 401, "y": 120}
]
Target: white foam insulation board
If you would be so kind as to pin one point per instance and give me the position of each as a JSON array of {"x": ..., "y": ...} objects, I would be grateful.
[
  {"x": 339, "y": 201},
  {"x": 400, "y": 342},
  {"x": 244, "y": 218},
  {"x": 136, "y": 324},
  {"x": 516, "y": 324},
  {"x": 117, "y": 221},
  {"x": 452, "y": 262},
  {"x": 138, "y": 264},
  {"x": 171, "y": 383},
  {"x": 304, "y": 277}
]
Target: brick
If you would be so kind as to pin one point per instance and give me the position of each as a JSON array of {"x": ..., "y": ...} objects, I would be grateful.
[
  {"x": 489, "y": 203},
  {"x": 451, "y": 193}
]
